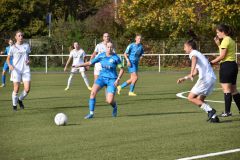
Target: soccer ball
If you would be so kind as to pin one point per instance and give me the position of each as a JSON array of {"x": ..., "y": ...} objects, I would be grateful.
[{"x": 60, "y": 119}]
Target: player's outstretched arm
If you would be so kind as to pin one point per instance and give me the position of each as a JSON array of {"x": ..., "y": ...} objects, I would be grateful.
[{"x": 83, "y": 65}]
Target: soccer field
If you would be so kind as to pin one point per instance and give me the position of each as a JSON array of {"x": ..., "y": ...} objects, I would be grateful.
[{"x": 154, "y": 125}]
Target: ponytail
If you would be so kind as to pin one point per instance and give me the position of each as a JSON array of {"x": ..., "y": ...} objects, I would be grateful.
[{"x": 192, "y": 41}]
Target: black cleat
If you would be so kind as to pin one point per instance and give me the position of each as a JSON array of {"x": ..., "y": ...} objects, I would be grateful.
[
  {"x": 226, "y": 114},
  {"x": 214, "y": 120},
  {"x": 14, "y": 108},
  {"x": 210, "y": 114},
  {"x": 21, "y": 104}
]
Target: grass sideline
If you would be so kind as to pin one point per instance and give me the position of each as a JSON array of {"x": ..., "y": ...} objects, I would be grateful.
[{"x": 154, "y": 125}]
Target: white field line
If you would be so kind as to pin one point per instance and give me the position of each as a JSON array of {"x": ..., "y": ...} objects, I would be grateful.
[
  {"x": 211, "y": 154},
  {"x": 181, "y": 95}
]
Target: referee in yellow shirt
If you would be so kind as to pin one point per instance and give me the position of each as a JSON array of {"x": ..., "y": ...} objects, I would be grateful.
[{"x": 228, "y": 67}]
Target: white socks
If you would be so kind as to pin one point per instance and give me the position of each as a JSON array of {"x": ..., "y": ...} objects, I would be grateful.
[
  {"x": 23, "y": 95},
  {"x": 85, "y": 79},
  {"x": 206, "y": 107},
  {"x": 69, "y": 80},
  {"x": 14, "y": 98}
]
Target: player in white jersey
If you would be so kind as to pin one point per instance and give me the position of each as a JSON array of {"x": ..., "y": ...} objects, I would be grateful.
[
  {"x": 78, "y": 55},
  {"x": 206, "y": 79},
  {"x": 20, "y": 70},
  {"x": 100, "y": 48}
]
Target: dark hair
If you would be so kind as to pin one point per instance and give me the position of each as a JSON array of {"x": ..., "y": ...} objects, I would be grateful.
[
  {"x": 192, "y": 42},
  {"x": 226, "y": 29}
]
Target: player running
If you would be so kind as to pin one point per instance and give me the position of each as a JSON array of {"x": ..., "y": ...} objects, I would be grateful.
[
  {"x": 206, "y": 79},
  {"x": 133, "y": 55},
  {"x": 5, "y": 66},
  {"x": 20, "y": 69},
  {"x": 78, "y": 55},
  {"x": 108, "y": 77}
]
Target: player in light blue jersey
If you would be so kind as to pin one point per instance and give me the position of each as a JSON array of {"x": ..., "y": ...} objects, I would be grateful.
[
  {"x": 5, "y": 66},
  {"x": 108, "y": 77},
  {"x": 133, "y": 55}
]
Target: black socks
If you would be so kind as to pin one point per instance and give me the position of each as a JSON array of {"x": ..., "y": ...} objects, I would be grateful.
[{"x": 228, "y": 101}]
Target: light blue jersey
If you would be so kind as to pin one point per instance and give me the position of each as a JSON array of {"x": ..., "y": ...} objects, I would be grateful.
[
  {"x": 109, "y": 64},
  {"x": 5, "y": 65},
  {"x": 135, "y": 51}
]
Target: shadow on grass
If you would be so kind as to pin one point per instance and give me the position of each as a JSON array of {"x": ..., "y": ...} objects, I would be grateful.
[
  {"x": 73, "y": 124},
  {"x": 158, "y": 114},
  {"x": 229, "y": 121}
]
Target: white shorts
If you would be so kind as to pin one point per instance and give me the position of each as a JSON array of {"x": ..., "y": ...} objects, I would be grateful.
[
  {"x": 97, "y": 69},
  {"x": 17, "y": 76},
  {"x": 77, "y": 70},
  {"x": 203, "y": 87}
]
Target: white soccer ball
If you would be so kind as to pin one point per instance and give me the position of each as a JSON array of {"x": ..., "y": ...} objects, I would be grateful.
[{"x": 60, "y": 119}]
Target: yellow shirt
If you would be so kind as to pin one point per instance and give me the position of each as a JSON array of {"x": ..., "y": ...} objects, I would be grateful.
[{"x": 230, "y": 45}]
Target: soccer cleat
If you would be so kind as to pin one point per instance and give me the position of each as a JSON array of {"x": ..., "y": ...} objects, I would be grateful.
[
  {"x": 14, "y": 108},
  {"x": 131, "y": 94},
  {"x": 67, "y": 88},
  {"x": 226, "y": 114},
  {"x": 3, "y": 85},
  {"x": 89, "y": 116},
  {"x": 20, "y": 104},
  {"x": 89, "y": 88},
  {"x": 114, "y": 112},
  {"x": 119, "y": 89},
  {"x": 211, "y": 113},
  {"x": 214, "y": 120}
]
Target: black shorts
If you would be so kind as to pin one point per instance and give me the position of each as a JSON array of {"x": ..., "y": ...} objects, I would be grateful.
[{"x": 228, "y": 72}]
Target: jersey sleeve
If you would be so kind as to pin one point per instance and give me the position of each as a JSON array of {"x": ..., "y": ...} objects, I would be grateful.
[
  {"x": 96, "y": 48},
  {"x": 83, "y": 54},
  {"x": 128, "y": 49},
  {"x": 28, "y": 49},
  {"x": 192, "y": 54},
  {"x": 10, "y": 52},
  {"x": 96, "y": 60},
  {"x": 71, "y": 54},
  {"x": 225, "y": 43},
  {"x": 6, "y": 51}
]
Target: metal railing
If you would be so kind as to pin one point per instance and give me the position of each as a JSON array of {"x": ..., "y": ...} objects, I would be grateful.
[{"x": 122, "y": 57}]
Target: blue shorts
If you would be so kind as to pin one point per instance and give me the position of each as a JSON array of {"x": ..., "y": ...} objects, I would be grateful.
[
  {"x": 133, "y": 67},
  {"x": 5, "y": 67},
  {"x": 108, "y": 82}
]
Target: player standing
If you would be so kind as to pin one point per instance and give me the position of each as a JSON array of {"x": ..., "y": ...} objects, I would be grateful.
[
  {"x": 100, "y": 48},
  {"x": 108, "y": 77},
  {"x": 133, "y": 55},
  {"x": 206, "y": 79},
  {"x": 228, "y": 67},
  {"x": 5, "y": 66},
  {"x": 78, "y": 55},
  {"x": 20, "y": 70}
]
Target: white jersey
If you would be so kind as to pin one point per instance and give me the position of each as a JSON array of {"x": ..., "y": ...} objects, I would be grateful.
[
  {"x": 100, "y": 48},
  {"x": 78, "y": 56},
  {"x": 203, "y": 66},
  {"x": 20, "y": 55}
]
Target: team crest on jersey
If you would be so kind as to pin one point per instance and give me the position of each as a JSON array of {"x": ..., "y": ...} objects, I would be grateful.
[{"x": 111, "y": 60}]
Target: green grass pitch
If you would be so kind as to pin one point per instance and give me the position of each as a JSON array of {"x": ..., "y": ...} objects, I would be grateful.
[{"x": 154, "y": 125}]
